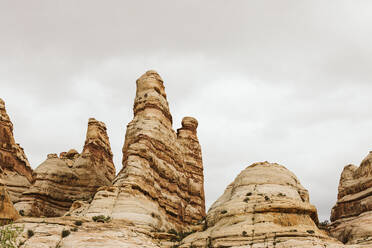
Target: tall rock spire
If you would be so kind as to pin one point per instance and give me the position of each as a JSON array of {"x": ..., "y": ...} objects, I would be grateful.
[
  {"x": 72, "y": 176},
  {"x": 161, "y": 183},
  {"x": 15, "y": 171}
]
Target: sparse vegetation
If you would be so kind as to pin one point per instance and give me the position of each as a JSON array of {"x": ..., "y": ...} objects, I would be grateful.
[
  {"x": 75, "y": 229},
  {"x": 30, "y": 233},
  {"x": 224, "y": 212},
  {"x": 244, "y": 233},
  {"x": 246, "y": 199},
  {"x": 267, "y": 198},
  {"x": 22, "y": 212},
  {"x": 249, "y": 194},
  {"x": 78, "y": 223},
  {"x": 8, "y": 236},
  {"x": 282, "y": 195},
  {"x": 65, "y": 233},
  {"x": 310, "y": 231},
  {"x": 101, "y": 218}
]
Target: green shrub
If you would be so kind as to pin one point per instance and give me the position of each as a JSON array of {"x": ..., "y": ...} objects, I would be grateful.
[
  {"x": 8, "y": 236},
  {"x": 78, "y": 223},
  {"x": 224, "y": 212},
  {"x": 101, "y": 218},
  {"x": 65, "y": 233},
  {"x": 310, "y": 231},
  {"x": 22, "y": 212},
  {"x": 30, "y": 233},
  {"x": 246, "y": 199},
  {"x": 267, "y": 198},
  {"x": 249, "y": 194},
  {"x": 244, "y": 233},
  {"x": 75, "y": 229}
]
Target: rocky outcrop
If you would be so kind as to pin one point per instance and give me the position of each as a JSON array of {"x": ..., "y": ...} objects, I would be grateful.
[
  {"x": 266, "y": 206},
  {"x": 352, "y": 215},
  {"x": 59, "y": 181},
  {"x": 7, "y": 211},
  {"x": 15, "y": 171},
  {"x": 161, "y": 183}
]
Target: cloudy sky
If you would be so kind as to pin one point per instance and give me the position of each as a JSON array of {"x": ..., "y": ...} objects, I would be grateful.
[{"x": 283, "y": 81}]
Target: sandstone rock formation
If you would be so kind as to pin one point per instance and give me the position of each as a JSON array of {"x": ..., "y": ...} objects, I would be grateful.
[
  {"x": 15, "y": 171},
  {"x": 161, "y": 183},
  {"x": 60, "y": 181},
  {"x": 265, "y": 206},
  {"x": 7, "y": 211},
  {"x": 352, "y": 214}
]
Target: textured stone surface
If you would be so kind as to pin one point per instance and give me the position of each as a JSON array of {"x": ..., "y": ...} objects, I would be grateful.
[
  {"x": 48, "y": 234},
  {"x": 265, "y": 206},
  {"x": 60, "y": 181},
  {"x": 352, "y": 215},
  {"x": 15, "y": 171},
  {"x": 161, "y": 183},
  {"x": 7, "y": 211}
]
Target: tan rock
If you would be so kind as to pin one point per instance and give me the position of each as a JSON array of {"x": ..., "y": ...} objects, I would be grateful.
[
  {"x": 352, "y": 215},
  {"x": 265, "y": 206},
  {"x": 7, "y": 211},
  {"x": 161, "y": 183},
  {"x": 72, "y": 176},
  {"x": 15, "y": 171}
]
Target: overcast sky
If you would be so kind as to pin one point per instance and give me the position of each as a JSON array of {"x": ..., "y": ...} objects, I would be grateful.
[{"x": 283, "y": 81}]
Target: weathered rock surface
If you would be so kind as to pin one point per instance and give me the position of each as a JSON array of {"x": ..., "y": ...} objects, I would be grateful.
[
  {"x": 161, "y": 183},
  {"x": 266, "y": 206},
  {"x": 15, "y": 171},
  {"x": 352, "y": 215},
  {"x": 7, "y": 211},
  {"x": 48, "y": 234},
  {"x": 59, "y": 181}
]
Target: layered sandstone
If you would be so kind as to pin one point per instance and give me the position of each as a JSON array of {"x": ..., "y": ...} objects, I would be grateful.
[
  {"x": 161, "y": 183},
  {"x": 15, "y": 171},
  {"x": 352, "y": 215},
  {"x": 61, "y": 180},
  {"x": 265, "y": 206},
  {"x": 7, "y": 211}
]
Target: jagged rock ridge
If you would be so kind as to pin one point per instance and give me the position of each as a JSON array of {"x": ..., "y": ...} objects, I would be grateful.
[
  {"x": 59, "y": 181},
  {"x": 15, "y": 171},
  {"x": 352, "y": 215}
]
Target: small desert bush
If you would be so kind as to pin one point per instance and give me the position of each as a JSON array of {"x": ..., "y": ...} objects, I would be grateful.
[{"x": 8, "y": 236}]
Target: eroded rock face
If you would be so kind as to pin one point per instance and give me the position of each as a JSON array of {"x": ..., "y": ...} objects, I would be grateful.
[
  {"x": 266, "y": 206},
  {"x": 161, "y": 183},
  {"x": 7, "y": 211},
  {"x": 61, "y": 180},
  {"x": 352, "y": 215},
  {"x": 15, "y": 171}
]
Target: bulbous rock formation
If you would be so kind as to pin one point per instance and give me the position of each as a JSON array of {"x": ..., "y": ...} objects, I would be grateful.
[
  {"x": 72, "y": 176},
  {"x": 265, "y": 206},
  {"x": 352, "y": 214},
  {"x": 161, "y": 183},
  {"x": 15, "y": 171}
]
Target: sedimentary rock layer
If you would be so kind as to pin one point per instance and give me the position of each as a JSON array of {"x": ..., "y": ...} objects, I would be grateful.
[
  {"x": 266, "y": 206},
  {"x": 15, "y": 171},
  {"x": 60, "y": 181},
  {"x": 352, "y": 214},
  {"x": 161, "y": 182}
]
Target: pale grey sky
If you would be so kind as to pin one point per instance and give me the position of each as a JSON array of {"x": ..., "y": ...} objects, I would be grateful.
[{"x": 277, "y": 80}]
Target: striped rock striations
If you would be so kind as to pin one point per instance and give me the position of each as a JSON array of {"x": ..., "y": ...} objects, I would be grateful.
[
  {"x": 15, "y": 171},
  {"x": 352, "y": 215},
  {"x": 59, "y": 181},
  {"x": 266, "y": 206},
  {"x": 161, "y": 184}
]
